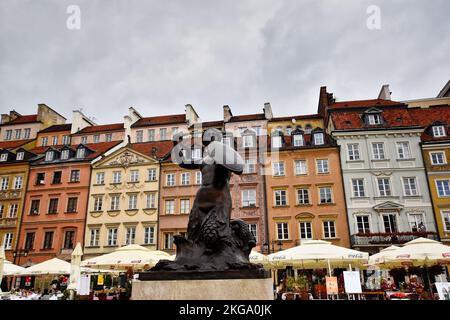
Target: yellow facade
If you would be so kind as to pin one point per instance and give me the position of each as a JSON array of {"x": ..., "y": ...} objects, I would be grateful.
[
  {"x": 437, "y": 173},
  {"x": 123, "y": 202},
  {"x": 12, "y": 195},
  {"x": 303, "y": 122}
]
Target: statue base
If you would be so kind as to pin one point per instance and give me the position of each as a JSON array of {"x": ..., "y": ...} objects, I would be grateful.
[{"x": 203, "y": 285}]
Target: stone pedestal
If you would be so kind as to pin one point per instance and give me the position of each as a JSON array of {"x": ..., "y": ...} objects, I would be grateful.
[{"x": 191, "y": 285}]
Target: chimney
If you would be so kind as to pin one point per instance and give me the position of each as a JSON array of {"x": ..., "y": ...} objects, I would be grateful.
[
  {"x": 227, "y": 114},
  {"x": 80, "y": 121},
  {"x": 5, "y": 118},
  {"x": 128, "y": 121},
  {"x": 268, "y": 111},
  {"x": 13, "y": 114},
  {"x": 191, "y": 115},
  {"x": 385, "y": 93}
]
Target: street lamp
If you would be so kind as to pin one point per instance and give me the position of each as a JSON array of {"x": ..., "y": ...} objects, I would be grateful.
[
  {"x": 266, "y": 247},
  {"x": 18, "y": 254},
  {"x": 280, "y": 245}
]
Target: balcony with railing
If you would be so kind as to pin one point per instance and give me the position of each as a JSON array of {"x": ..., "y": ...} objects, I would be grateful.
[{"x": 389, "y": 238}]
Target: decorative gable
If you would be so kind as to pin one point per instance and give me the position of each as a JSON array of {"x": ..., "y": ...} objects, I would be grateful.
[{"x": 388, "y": 206}]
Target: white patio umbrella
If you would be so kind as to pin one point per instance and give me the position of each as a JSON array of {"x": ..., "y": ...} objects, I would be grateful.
[
  {"x": 2, "y": 263},
  {"x": 381, "y": 257},
  {"x": 75, "y": 269},
  {"x": 318, "y": 254},
  {"x": 420, "y": 252},
  {"x": 133, "y": 256},
  {"x": 10, "y": 269},
  {"x": 256, "y": 257},
  {"x": 53, "y": 266}
]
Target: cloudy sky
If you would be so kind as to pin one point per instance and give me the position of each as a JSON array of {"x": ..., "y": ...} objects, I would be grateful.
[{"x": 160, "y": 55}]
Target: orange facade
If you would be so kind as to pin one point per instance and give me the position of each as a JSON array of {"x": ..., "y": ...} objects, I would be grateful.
[
  {"x": 55, "y": 211},
  {"x": 297, "y": 198}
]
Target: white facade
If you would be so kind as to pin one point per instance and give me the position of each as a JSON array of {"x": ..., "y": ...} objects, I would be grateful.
[{"x": 385, "y": 183}]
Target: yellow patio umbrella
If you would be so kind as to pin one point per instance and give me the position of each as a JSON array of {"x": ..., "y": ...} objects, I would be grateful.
[
  {"x": 131, "y": 256},
  {"x": 318, "y": 254}
]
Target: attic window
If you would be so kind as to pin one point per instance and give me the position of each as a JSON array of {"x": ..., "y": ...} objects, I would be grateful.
[
  {"x": 3, "y": 157},
  {"x": 438, "y": 131},
  {"x": 80, "y": 153},
  {"x": 298, "y": 140},
  {"x": 318, "y": 138},
  {"x": 49, "y": 156},
  {"x": 374, "y": 119},
  {"x": 65, "y": 154},
  {"x": 20, "y": 155}
]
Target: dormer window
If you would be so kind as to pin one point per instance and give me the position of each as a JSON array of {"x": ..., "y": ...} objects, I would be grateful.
[
  {"x": 288, "y": 130},
  {"x": 20, "y": 155},
  {"x": 49, "y": 156},
  {"x": 65, "y": 154},
  {"x": 318, "y": 138},
  {"x": 374, "y": 119},
  {"x": 4, "y": 157},
  {"x": 80, "y": 153},
  {"x": 438, "y": 131},
  {"x": 276, "y": 142},
  {"x": 298, "y": 140}
]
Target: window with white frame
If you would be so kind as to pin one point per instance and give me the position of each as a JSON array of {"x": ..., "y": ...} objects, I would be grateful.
[
  {"x": 443, "y": 188},
  {"x": 198, "y": 177},
  {"x": 18, "y": 133},
  {"x": 446, "y": 219},
  {"x": 65, "y": 154},
  {"x": 5, "y": 183},
  {"x": 168, "y": 241},
  {"x": 353, "y": 152},
  {"x": 185, "y": 178},
  {"x": 276, "y": 142},
  {"x": 134, "y": 176},
  {"x": 248, "y": 141},
  {"x": 329, "y": 229},
  {"x": 358, "y": 188},
  {"x": 403, "y": 150},
  {"x": 13, "y": 209},
  {"x": 363, "y": 224},
  {"x": 27, "y": 133},
  {"x": 130, "y": 236},
  {"x": 80, "y": 153},
  {"x": 8, "y": 135},
  {"x": 250, "y": 165},
  {"x": 7, "y": 241},
  {"x": 170, "y": 179},
  {"x": 196, "y": 153},
  {"x": 280, "y": 197},
  {"x": 390, "y": 222},
  {"x": 410, "y": 186},
  {"x": 117, "y": 176},
  {"x": 374, "y": 119},
  {"x": 55, "y": 140},
  {"x": 322, "y": 166},
  {"x": 98, "y": 203},
  {"x": 378, "y": 150},
  {"x": 75, "y": 176},
  {"x": 3, "y": 157},
  {"x": 253, "y": 228},
  {"x": 139, "y": 136},
  {"x": 325, "y": 195},
  {"x": 384, "y": 187},
  {"x": 150, "y": 200},
  {"x": 249, "y": 198},
  {"x": 151, "y": 174},
  {"x": 170, "y": 206},
  {"x": 282, "y": 231},
  {"x": 300, "y": 167},
  {"x": 302, "y": 196},
  {"x": 163, "y": 134},
  {"x": 20, "y": 155},
  {"x": 149, "y": 235},
  {"x": 305, "y": 230},
  {"x": 278, "y": 168},
  {"x": 44, "y": 141},
  {"x": 132, "y": 201},
  {"x": 94, "y": 237},
  {"x": 438, "y": 131},
  {"x": 299, "y": 140},
  {"x": 49, "y": 156},
  {"x": 318, "y": 139},
  {"x": 112, "y": 237},
  {"x": 115, "y": 202},
  {"x": 438, "y": 158},
  {"x": 84, "y": 139},
  {"x": 151, "y": 134},
  {"x": 66, "y": 139},
  {"x": 185, "y": 206},
  {"x": 416, "y": 222},
  {"x": 100, "y": 178}
]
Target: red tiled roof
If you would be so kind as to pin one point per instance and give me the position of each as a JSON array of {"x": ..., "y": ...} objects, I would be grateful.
[
  {"x": 298, "y": 117},
  {"x": 13, "y": 144},
  {"x": 24, "y": 119},
  {"x": 100, "y": 128},
  {"x": 248, "y": 117},
  {"x": 426, "y": 117},
  {"x": 218, "y": 123},
  {"x": 364, "y": 103},
  {"x": 162, "y": 148},
  {"x": 57, "y": 128},
  {"x": 287, "y": 142},
  {"x": 160, "y": 120},
  {"x": 348, "y": 120}
]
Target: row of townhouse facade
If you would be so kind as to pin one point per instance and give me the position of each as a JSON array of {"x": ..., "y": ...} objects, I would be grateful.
[{"x": 363, "y": 174}]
